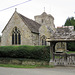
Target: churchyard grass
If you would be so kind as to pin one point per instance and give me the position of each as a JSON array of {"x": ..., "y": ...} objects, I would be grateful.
[
  {"x": 69, "y": 52},
  {"x": 26, "y": 66}
]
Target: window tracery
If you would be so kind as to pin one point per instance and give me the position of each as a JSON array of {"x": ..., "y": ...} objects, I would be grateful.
[{"x": 16, "y": 36}]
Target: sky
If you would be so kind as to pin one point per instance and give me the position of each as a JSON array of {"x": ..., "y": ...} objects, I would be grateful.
[{"x": 59, "y": 9}]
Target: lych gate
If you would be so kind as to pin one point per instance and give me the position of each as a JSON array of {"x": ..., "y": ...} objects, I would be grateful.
[{"x": 61, "y": 58}]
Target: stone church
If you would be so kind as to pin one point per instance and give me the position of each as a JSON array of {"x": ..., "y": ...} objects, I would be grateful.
[{"x": 21, "y": 30}]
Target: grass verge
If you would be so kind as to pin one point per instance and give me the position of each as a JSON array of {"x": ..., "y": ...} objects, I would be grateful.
[
  {"x": 69, "y": 52},
  {"x": 26, "y": 66}
]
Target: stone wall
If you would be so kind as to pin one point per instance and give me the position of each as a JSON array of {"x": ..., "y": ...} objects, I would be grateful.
[
  {"x": 35, "y": 39},
  {"x": 22, "y": 61},
  {"x": 26, "y": 34},
  {"x": 45, "y": 19},
  {"x": 44, "y": 32},
  {"x": 47, "y": 26}
]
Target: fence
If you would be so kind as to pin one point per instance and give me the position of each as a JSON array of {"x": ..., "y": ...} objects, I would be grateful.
[{"x": 64, "y": 59}]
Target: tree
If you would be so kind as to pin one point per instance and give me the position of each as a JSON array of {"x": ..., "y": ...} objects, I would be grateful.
[{"x": 70, "y": 22}]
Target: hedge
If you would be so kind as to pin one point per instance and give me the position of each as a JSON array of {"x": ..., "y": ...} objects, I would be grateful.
[
  {"x": 27, "y": 52},
  {"x": 71, "y": 46}
]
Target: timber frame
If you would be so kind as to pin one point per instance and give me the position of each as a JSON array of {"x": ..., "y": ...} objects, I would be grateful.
[{"x": 52, "y": 49}]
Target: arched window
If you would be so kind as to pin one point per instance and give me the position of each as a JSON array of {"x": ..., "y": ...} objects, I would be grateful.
[
  {"x": 43, "y": 40},
  {"x": 42, "y": 20},
  {"x": 16, "y": 36}
]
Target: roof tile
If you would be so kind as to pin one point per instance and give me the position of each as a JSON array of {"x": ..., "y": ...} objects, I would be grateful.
[{"x": 32, "y": 25}]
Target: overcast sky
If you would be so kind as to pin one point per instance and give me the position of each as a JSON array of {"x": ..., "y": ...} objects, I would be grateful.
[{"x": 59, "y": 9}]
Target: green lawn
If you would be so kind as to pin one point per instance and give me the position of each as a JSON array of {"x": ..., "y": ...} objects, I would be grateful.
[
  {"x": 69, "y": 52},
  {"x": 26, "y": 66}
]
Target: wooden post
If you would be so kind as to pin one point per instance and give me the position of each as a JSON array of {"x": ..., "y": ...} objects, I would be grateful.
[
  {"x": 52, "y": 49},
  {"x": 65, "y": 59}
]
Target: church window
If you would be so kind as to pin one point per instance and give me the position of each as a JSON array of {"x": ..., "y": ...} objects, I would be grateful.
[
  {"x": 12, "y": 38},
  {"x": 42, "y": 20},
  {"x": 16, "y": 36},
  {"x": 19, "y": 36},
  {"x": 43, "y": 40}
]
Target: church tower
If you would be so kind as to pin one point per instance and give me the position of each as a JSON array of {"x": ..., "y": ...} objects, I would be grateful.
[
  {"x": 45, "y": 19},
  {"x": 47, "y": 27}
]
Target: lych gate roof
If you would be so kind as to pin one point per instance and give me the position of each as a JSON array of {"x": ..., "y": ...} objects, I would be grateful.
[
  {"x": 32, "y": 25},
  {"x": 62, "y": 34}
]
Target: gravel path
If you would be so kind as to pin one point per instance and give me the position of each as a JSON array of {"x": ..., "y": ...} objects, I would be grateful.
[{"x": 38, "y": 71}]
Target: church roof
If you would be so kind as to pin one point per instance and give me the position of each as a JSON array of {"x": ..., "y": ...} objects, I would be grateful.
[
  {"x": 32, "y": 25},
  {"x": 44, "y": 13}
]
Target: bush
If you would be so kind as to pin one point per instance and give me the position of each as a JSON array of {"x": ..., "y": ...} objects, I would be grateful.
[
  {"x": 71, "y": 46},
  {"x": 27, "y": 52}
]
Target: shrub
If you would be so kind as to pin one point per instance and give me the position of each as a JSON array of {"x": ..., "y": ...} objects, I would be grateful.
[
  {"x": 27, "y": 52},
  {"x": 71, "y": 46}
]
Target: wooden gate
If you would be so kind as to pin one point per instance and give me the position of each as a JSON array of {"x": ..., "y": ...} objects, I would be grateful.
[{"x": 64, "y": 59}]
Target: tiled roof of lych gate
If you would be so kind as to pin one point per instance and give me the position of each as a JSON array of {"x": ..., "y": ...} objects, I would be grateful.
[
  {"x": 32, "y": 25},
  {"x": 63, "y": 33}
]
